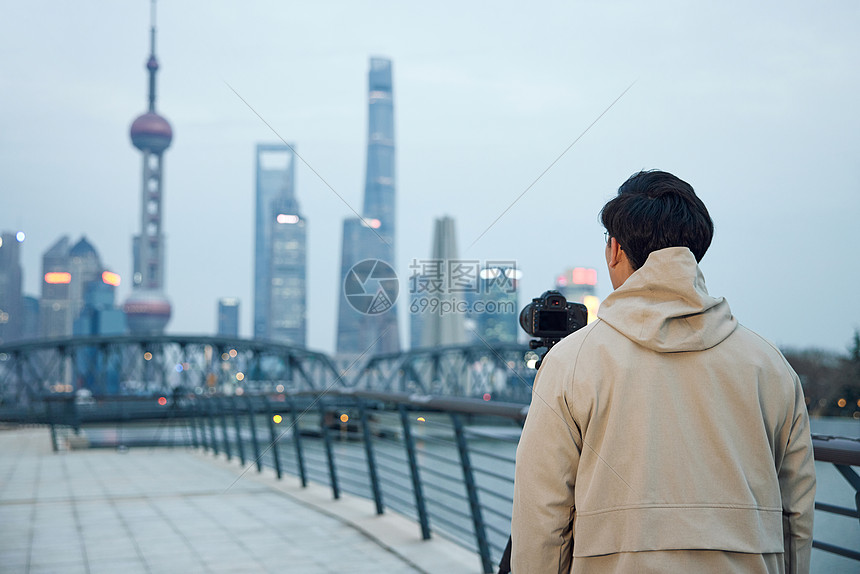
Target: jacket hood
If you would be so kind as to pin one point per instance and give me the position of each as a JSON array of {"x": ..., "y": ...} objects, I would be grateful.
[{"x": 664, "y": 305}]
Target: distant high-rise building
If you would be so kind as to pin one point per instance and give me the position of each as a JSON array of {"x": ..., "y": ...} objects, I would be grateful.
[
  {"x": 578, "y": 285},
  {"x": 372, "y": 236},
  {"x": 55, "y": 317},
  {"x": 288, "y": 294},
  {"x": 495, "y": 307},
  {"x": 30, "y": 329},
  {"x": 99, "y": 314},
  {"x": 77, "y": 292},
  {"x": 86, "y": 268},
  {"x": 147, "y": 309},
  {"x": 11, "y": 298},
  {"x": 228, "y": 317},
  {"x": 280, "y": 249},
  {"x": 437, "y": 289}
]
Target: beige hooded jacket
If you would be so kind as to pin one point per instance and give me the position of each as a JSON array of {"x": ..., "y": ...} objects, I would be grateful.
[{"x": 664, "y": 437}]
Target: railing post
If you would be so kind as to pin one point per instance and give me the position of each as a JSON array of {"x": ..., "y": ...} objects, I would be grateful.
[
  {"x": 371, "y": 460},
  {"x": 239, "y": 445},
  {"x": 201, "y": 423},
  {"x": 192, "y": 419},
  {"x": 297, "y": 441},
  {"x": 329, "y": 451},
  {"x": 255, "y": 442},
  {"x": 472, "y": 491},
  {"x": 49, "y": 411},
  {"x": 212, "y": 433},
  {"x": 273, "y": 435},
  {"x": 420, "y": 506},
  {"x": 223, "y": 417},
  {"x": 854, "y": 480}
]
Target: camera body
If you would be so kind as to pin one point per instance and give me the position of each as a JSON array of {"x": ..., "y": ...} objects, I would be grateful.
[{"x": 551, "y": 317}]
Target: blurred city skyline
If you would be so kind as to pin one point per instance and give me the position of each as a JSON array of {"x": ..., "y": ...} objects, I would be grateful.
[{"x": 753, "y": 105}]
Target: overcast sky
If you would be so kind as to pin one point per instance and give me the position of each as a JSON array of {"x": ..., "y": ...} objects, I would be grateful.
[{"x": 753, "y": 103}]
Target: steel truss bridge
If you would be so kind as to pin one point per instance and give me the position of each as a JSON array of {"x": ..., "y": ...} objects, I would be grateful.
[{"x": 132, "y": 365}]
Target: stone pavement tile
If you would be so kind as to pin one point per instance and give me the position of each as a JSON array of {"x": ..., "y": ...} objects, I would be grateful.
[
  {"x": 49, "y": 555},
  {"x": 14, "y": 561},
  {"x": 14, "y": 541},
  {"x": 68, "y": 568},
  {"x": 304, "y": 565},
  {"x": 106, "y": 551},
  {"x": 117, "y": 567},
  {"x": 47, "y": 551},
  {"x": 174, "y": 565}
]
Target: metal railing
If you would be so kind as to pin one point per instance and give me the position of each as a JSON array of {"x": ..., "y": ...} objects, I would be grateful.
[
  {"x": 843, "y": 453},
  {"x": 445, "y": 462}
]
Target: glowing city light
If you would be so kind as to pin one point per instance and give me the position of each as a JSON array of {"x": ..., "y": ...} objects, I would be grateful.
[
  {"x": 591, "y": 303},
  {"x": 290, "y": 219},
  {"x": 20, "y": 236},
  {"x": 277, "y": 419},
  {"x": 841, "y": 402},
  {"x": 280, "y": 388},
  {"x": 162, "y": 401},
  {"x": 373, "y": 223},
  {"x": 147, "y": 356},
  {"x": 240, "y": 376},
  {"x": 225, "y": 357},
  {"x": 344, "y": 418},
  {"x": 58, "y": 277},
  {"x": 240, "y": 391},
  {"x": 421, "y": 419},
  {"x": 111, "y": 278},
  {"x": 233, "y": 353},
  {"x": 584, "y": 276},
  {"x": 179, "y": 367},
  {"x": 487, "y": 396}
]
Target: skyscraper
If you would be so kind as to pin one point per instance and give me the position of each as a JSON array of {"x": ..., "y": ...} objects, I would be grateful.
[
  {"x": 280, "y": 246},
  {"x": 440, "y": 290},
  {"x": 495, "y": 307},
  {"x": 77, "y": 292},
  {"x": 11, "y": 298},
  {"x": 55, "y": 318},
  {"x": 228, "y": 317},
  {"x": 147, "y": 309},
  {"x": 372, "y": 236}
]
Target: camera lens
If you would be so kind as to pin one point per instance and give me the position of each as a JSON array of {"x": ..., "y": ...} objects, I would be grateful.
[{"x": 527, "y": 319}]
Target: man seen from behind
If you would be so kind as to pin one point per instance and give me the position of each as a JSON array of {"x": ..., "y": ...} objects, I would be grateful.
[{"x": 664, "y": 436}]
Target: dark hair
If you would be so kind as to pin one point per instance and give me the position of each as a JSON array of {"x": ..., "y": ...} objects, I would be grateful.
[{"x": 654, "y": 210}]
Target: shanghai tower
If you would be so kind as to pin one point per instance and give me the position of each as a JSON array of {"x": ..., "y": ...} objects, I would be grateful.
[{"x": 367, "y": 316}]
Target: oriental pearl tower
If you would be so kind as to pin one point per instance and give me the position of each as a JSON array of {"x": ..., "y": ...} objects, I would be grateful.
[{"x": 147, "y": 309}]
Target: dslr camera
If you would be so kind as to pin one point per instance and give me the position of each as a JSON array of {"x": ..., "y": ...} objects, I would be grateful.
[{"x": 550, "y": 318}]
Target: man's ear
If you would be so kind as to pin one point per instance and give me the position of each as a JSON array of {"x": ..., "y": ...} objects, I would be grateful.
[{"x": 616, "y": 254}]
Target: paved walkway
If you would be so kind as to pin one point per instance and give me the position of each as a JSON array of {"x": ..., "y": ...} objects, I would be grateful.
[{"x": 180, "y": 511}]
